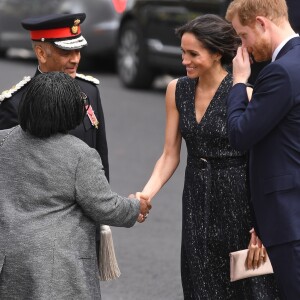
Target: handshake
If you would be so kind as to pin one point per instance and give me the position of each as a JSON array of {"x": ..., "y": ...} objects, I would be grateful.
[{"x": 145, "y": 206}]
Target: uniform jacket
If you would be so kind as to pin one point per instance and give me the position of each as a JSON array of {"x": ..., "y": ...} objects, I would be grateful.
[
  {"x": 95, "y": 138},
  {"x": 52, "y": 198},
  {"x": 269, "y": 126}
]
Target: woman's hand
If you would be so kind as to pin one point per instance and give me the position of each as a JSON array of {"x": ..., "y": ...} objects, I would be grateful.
[
  {"x": 257, "y": 253},
  {"x": 145, "y": 205}
]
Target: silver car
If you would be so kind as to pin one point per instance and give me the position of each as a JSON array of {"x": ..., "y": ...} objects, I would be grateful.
[{"x": 100, "y": 27}]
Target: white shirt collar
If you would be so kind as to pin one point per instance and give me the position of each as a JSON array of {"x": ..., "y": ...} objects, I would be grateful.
[{"x": 281, "y": 45}]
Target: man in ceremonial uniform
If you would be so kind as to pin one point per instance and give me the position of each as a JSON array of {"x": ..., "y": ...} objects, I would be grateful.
[{"x": 57, "y": 41}]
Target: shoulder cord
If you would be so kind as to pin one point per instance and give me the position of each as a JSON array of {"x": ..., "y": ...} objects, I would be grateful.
[{"x": 4, "y": 139}]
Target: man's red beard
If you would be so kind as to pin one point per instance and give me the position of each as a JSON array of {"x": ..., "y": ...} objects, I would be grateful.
[{"x": 260, "y": 51}]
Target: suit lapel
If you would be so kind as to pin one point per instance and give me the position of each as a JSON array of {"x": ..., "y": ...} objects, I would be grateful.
[{"x": 288, "y": 46}]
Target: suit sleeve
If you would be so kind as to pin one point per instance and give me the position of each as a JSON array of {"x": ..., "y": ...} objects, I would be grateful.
[
  {"x": 95, "y": 197},
  {"x": 249, "y": 122}
]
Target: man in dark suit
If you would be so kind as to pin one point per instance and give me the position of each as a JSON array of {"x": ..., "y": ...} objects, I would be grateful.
[
  {"x": 269, "y": 127},
  {"x": 57, "y": 41}
]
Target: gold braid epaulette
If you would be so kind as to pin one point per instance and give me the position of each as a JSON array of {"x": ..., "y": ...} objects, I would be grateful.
[
  {"x": 88, "y": 78},
  {"x": 8, "y": 93}
]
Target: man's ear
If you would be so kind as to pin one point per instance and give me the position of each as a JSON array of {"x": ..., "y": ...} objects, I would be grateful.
[
  {"x": 40, "y": 53},
  {"x": 261, "y": 23}
]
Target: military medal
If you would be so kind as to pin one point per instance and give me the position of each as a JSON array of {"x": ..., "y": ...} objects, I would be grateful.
[{"x": 92, "y": 116}]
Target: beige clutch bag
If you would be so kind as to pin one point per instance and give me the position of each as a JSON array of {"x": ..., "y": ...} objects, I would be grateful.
[{"x": 238, "y": 269}]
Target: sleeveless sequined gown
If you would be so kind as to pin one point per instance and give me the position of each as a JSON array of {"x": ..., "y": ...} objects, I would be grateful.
[{"x": 216, "y": 217}]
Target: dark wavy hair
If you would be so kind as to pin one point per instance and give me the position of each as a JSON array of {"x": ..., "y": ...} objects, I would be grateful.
[
  {"x": 216, "y": 34},
  {"x": 52, "y": 104}
]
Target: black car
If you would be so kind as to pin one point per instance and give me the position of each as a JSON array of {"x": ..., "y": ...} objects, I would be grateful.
[{"x": 147, "y": 45}]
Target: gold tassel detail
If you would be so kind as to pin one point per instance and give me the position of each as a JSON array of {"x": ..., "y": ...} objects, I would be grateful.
[{"x": 108, "y": 265}]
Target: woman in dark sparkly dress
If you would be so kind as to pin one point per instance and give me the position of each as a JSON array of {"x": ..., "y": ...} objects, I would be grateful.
[{"x": 216, "y": 217}]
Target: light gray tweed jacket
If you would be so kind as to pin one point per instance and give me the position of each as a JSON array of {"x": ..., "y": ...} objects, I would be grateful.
[{"x": 53, "y": 194}]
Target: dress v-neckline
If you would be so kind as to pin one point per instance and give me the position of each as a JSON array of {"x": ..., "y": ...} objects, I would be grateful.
[{"x": 210, "y": 103}]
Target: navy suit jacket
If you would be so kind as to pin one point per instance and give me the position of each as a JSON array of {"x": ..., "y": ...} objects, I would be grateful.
[{"x": 269, "y": 127}]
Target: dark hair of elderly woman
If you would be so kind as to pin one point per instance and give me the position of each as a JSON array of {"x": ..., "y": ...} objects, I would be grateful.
[
  {"x": 43, "y": 112},
  {"x": 215, "y": 34}
]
